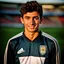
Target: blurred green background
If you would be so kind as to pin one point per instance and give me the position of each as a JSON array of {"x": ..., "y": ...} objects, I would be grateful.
[
  {"x": 52, "y": 21},
  {"x": 7, "y": 32}
]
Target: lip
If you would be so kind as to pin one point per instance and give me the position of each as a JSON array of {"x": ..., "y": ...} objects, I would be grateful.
[{"x": 31, "y": 27}]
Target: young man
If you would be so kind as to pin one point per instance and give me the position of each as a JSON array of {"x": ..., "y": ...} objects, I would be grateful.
[{"x": 31, "y": 46}]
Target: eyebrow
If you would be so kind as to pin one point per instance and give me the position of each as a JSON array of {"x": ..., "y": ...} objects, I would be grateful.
[
  {"x": 33, "y": 16},
  {"x": 27, "y": 16}
]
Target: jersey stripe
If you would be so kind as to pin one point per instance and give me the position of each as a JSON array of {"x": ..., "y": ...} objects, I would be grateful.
[
  {"x": 5, "y": 54},
  {"x": 56, "y": 45},
  {"x": 31, "y": 60}
]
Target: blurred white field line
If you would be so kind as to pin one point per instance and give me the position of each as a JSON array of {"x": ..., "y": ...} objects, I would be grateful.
[
  {"x": 15, "y": 25},
  {"x": 19, "y": 25},
  {"x": 50, "y": 26}
]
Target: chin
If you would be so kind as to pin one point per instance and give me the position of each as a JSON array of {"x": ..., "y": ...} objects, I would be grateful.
[{"x": 34, "y": 30}]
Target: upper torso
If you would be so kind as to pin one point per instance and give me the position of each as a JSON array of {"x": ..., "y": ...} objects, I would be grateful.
[{"x": 32, "y": 52}]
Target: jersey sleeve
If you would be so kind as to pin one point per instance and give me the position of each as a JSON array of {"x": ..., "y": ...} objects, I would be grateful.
[
  {"x": 9, "y": 55},
  {"x": 55, "y": 54},
  {"x": 52, "y": 55}
]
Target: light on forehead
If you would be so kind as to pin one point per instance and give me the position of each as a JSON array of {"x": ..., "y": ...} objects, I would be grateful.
[{"x": 31, "y": 14}]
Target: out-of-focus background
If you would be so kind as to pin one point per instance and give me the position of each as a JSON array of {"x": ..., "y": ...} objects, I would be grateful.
[{"x": 52, "y": 21}]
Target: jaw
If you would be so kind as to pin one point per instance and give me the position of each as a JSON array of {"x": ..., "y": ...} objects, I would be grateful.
[{"x": 31, "y": 28}]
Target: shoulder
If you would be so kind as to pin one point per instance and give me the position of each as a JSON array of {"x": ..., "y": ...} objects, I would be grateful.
[
  {"x": 13, "y": 40},
  {"x": 49, "y": 37},
  {"x": 52, "y": 39},
  {"x": 16, "y": 36}
]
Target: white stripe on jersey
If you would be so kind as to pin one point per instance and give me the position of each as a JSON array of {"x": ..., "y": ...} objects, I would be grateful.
[
  {"x": 56, "y": 45},
  {"x": 5, "y": 54},
  {"x": 31, "y": 60}
]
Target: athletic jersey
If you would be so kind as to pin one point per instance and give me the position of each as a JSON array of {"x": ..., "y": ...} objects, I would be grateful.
[{"x": 42, "y": 50}]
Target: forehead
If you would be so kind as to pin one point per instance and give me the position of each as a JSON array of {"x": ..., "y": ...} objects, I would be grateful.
[{"x": 31, "y": 14}]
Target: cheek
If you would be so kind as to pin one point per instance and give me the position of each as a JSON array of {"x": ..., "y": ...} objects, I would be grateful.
[
  {"x": 25, "y": 22},
  {"x": 38, "y": 22}
]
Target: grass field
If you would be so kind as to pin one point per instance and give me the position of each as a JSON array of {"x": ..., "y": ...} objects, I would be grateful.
[{"x": 8, "y": 32}]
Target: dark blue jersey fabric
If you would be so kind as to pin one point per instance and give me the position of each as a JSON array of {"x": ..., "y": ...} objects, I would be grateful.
[{"x": 42, "y": 50}]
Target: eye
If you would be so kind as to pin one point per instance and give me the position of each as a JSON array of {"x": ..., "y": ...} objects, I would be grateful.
[
  {"x": 27, "y": 17},
  {"x": 36, "y": 18}
]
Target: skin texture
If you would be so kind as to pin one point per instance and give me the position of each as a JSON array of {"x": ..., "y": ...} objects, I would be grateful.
[{"x": 31, "y": 21}]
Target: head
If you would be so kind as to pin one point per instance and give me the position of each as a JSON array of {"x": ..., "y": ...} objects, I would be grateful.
[
  {"x": 31, "y": 14},
  {"x": 30, "y": 7}
]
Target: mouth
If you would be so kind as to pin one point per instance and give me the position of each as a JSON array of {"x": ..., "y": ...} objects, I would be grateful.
[{"x": 31, "y": 27}]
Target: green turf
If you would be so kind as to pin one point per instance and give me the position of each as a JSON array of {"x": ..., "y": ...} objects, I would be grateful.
[{"x": 6, "y": 33}]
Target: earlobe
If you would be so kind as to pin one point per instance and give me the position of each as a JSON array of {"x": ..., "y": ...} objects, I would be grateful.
[
  {"x": 21, "y": 19},
  {"x": 40, "y": 21}
]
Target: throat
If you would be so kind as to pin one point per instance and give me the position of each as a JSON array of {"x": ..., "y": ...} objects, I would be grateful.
[{"x": 31, "y": 36}]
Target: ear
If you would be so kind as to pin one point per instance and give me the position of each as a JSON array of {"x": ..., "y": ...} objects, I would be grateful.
[
  {"x": 41, "y": 20},
  {"x": 21, "y": 19}
]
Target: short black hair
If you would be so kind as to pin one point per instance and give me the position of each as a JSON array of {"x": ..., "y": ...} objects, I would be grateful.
[{"x": 31, "y": 6}]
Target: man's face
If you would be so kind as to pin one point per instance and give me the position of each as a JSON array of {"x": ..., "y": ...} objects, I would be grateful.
[{"x": 31, "y": 21}]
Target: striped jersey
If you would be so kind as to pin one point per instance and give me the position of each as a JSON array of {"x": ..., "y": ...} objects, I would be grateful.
[{"x": 42, "y": 50}]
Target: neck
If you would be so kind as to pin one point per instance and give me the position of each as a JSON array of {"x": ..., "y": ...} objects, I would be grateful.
[{"x": 31, "y": 35}]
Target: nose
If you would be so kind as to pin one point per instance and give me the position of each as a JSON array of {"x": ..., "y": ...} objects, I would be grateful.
[{"x": 32, "y": 21}]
